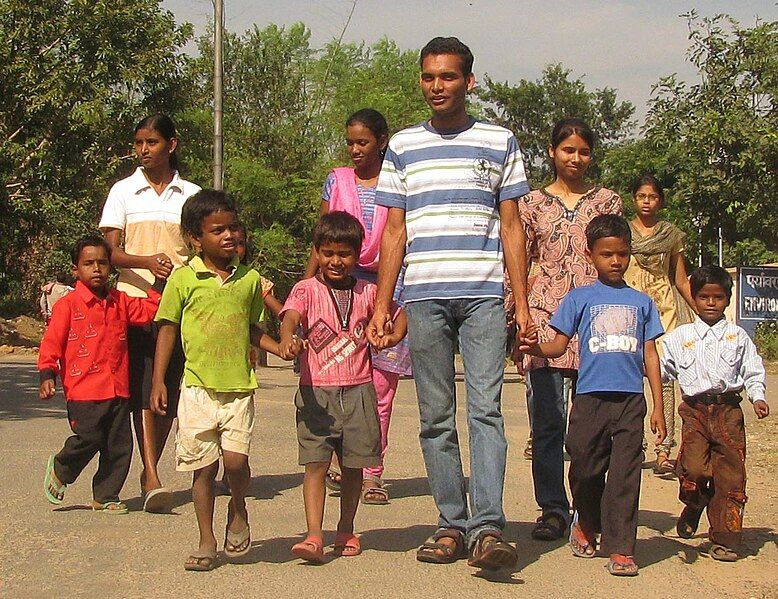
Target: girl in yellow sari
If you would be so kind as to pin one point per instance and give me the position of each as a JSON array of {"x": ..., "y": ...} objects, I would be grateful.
[{"x": 657, "y": 268}]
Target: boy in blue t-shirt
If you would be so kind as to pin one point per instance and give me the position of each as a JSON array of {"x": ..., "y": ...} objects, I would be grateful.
[{"x": 616, "y": 328}]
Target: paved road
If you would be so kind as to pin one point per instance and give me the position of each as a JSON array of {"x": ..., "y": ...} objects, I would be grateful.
[{"x": 69, "y": 551}]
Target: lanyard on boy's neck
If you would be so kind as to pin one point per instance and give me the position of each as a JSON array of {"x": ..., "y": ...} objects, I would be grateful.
[{"x": 344, "y": 318}]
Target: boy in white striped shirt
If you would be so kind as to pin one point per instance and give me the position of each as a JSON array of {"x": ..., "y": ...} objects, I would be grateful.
[{"x": 713, "y": 361}]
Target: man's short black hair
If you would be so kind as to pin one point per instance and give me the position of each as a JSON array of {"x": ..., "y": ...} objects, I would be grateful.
[
  {"x": 339, "y": 227},
  {"x": 710, "y": 275},
  {"x": 607, "y": 225},
  {"x": 448, "y": 45},
  {"x": 201, "y": 205},
  {"x": 91, "y": 240}
]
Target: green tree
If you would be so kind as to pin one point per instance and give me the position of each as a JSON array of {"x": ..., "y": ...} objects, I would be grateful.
[
  {"x": 74, "y": 77},
  {"x": 531, "y": 108},
  {"x": 719, "y": 136}
]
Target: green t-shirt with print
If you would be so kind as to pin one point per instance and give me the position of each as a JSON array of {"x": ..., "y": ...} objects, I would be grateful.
[{"x": 214, "y": 317}]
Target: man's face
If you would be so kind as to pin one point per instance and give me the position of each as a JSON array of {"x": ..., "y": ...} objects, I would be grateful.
[{"x": 444, "y": 84}]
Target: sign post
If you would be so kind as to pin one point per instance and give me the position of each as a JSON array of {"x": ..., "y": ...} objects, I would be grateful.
[{"x": 757, "y": 296}]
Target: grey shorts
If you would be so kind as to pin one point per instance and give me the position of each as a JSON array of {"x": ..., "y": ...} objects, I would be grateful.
[{"x": 343, "y": 420}]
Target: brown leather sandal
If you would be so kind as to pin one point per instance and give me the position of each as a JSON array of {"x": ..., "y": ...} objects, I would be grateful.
[
  {"x": 435, "y": 552},
  {"x": 490, "y": 552}
]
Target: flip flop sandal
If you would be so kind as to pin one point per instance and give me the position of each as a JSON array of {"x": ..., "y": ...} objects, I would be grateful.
[
  {"x": 237, "y": 543},
  {"x": 549, "y": 527},
  {"x": 688, "y": 522},
  {"x": 311, "y": 550},
  {"x": 435, "y": 552},
  {"x": 332, "y": 480},
  {"x": 347, "y": 545},
  {"x": 722, "y": 554},
  {"x": 576, "y": 534},
  {"x": 200, "y": 561},
  {"x": 54, "y": 492},
  {"x": 157, "y": 501},
  {"x": 490, "y": 552},
  {"x": 377, "y": 488},
  {"x": 622, "y": 565},
  {"x": 114, "y": 508}
]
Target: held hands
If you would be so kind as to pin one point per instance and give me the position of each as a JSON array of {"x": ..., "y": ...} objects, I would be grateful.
[
  {"x": 761, "y": 409},
  {"x": 527, "y": 340},
  {"x": 380, "y": 327},
  {"x": 47, "y": 389},
  {"x": 291, "y": 348},
  {"x": 160, "y": 265},
  {"x": 158, "y": 398},
  {"x": 658, "y": 426}
]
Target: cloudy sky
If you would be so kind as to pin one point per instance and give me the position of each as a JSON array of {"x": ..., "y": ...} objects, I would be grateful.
[{"x": 625, "y": 44}]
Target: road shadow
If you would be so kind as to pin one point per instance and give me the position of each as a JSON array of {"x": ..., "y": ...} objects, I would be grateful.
[
  {"x": 268, "y": 486},
  {"x": 401, "y": 488},
  {"x": 263, "y": 487},
  {"x": 667, "y": 544},
  {"x": 19, "y": 399}
]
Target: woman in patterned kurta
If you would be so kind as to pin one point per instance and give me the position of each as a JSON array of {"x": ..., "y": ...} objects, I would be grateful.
[
  {"x": 555, "y": 219},
  {"x": 657, "y": 269}
]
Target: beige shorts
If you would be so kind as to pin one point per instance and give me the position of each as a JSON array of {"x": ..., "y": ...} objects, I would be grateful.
[{"x": 210, "y": 422}]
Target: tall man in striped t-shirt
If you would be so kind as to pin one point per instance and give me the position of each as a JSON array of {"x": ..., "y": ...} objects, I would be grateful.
[{"x": 450, "y": 185}]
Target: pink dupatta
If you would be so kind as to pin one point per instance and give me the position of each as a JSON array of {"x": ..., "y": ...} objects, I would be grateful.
[{"x": 344, "y": 196}]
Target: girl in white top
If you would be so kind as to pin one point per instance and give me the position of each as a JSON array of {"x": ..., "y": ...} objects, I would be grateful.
[{"x": 141, "y": 221}]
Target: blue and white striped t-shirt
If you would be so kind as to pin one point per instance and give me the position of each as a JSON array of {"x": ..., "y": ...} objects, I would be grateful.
[{"x": 450, "y": 184}]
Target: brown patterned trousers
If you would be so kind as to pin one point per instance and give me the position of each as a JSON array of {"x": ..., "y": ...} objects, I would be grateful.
[{"x": 711, "y": 466}]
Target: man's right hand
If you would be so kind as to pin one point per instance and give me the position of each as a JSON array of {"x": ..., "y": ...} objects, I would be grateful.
[{"x": 160, "y": 265}]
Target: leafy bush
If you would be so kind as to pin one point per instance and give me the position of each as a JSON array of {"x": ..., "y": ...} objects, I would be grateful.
[{"x": 766, "y": 339}]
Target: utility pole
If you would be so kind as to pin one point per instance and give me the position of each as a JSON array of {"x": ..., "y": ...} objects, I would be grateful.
[{"x": 218, "y": 76}]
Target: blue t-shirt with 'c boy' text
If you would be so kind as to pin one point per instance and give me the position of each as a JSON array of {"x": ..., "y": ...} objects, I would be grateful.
[{"x": 612, "y": 324}]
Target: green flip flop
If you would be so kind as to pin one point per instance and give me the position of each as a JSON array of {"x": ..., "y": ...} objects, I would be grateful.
[
  {"x": 113, "y": 508},
  {"x": 58, "y": 493}
]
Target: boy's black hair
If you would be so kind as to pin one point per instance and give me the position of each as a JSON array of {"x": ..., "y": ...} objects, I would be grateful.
[
  {"x": 91, "y": 240},
  {"x": 200, "y": 205},
  {"x": 448, "y": 45},
  {"x": 607, "y": 225},
  {"x": 339, "y": 227},
  {"x": 710, "y": 275}
]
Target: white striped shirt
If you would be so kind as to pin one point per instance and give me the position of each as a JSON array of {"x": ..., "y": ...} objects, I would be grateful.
[
  {"x": 450, "y": 184},
  {"x": 713, "y": 359},
  {"x": 151, "y": 224}
]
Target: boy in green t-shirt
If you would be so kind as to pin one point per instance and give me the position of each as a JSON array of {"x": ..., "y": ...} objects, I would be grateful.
[{"x": 215, "y": 302}]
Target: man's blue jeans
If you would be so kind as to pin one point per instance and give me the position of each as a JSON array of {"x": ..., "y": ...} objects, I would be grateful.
[{"x": 477, "y": 326}]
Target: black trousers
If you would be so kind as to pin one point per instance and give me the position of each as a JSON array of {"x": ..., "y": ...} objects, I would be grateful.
[
  {"x": 98, "y": 426},
  {"x": 605, "y": 436}
]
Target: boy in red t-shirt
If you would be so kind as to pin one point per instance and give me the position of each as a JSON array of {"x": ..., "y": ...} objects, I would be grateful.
[
  {"x": 336, "y": 402},
  {"x": 86, "y": 345}
]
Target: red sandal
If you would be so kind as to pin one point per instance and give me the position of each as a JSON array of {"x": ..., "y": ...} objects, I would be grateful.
[
  {"x": 311, "y": 549},
  {"x": 347, "y": 544}
]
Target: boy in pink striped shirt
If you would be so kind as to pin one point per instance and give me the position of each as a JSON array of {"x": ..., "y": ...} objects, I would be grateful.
[{"x": 336, "y": 401}]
